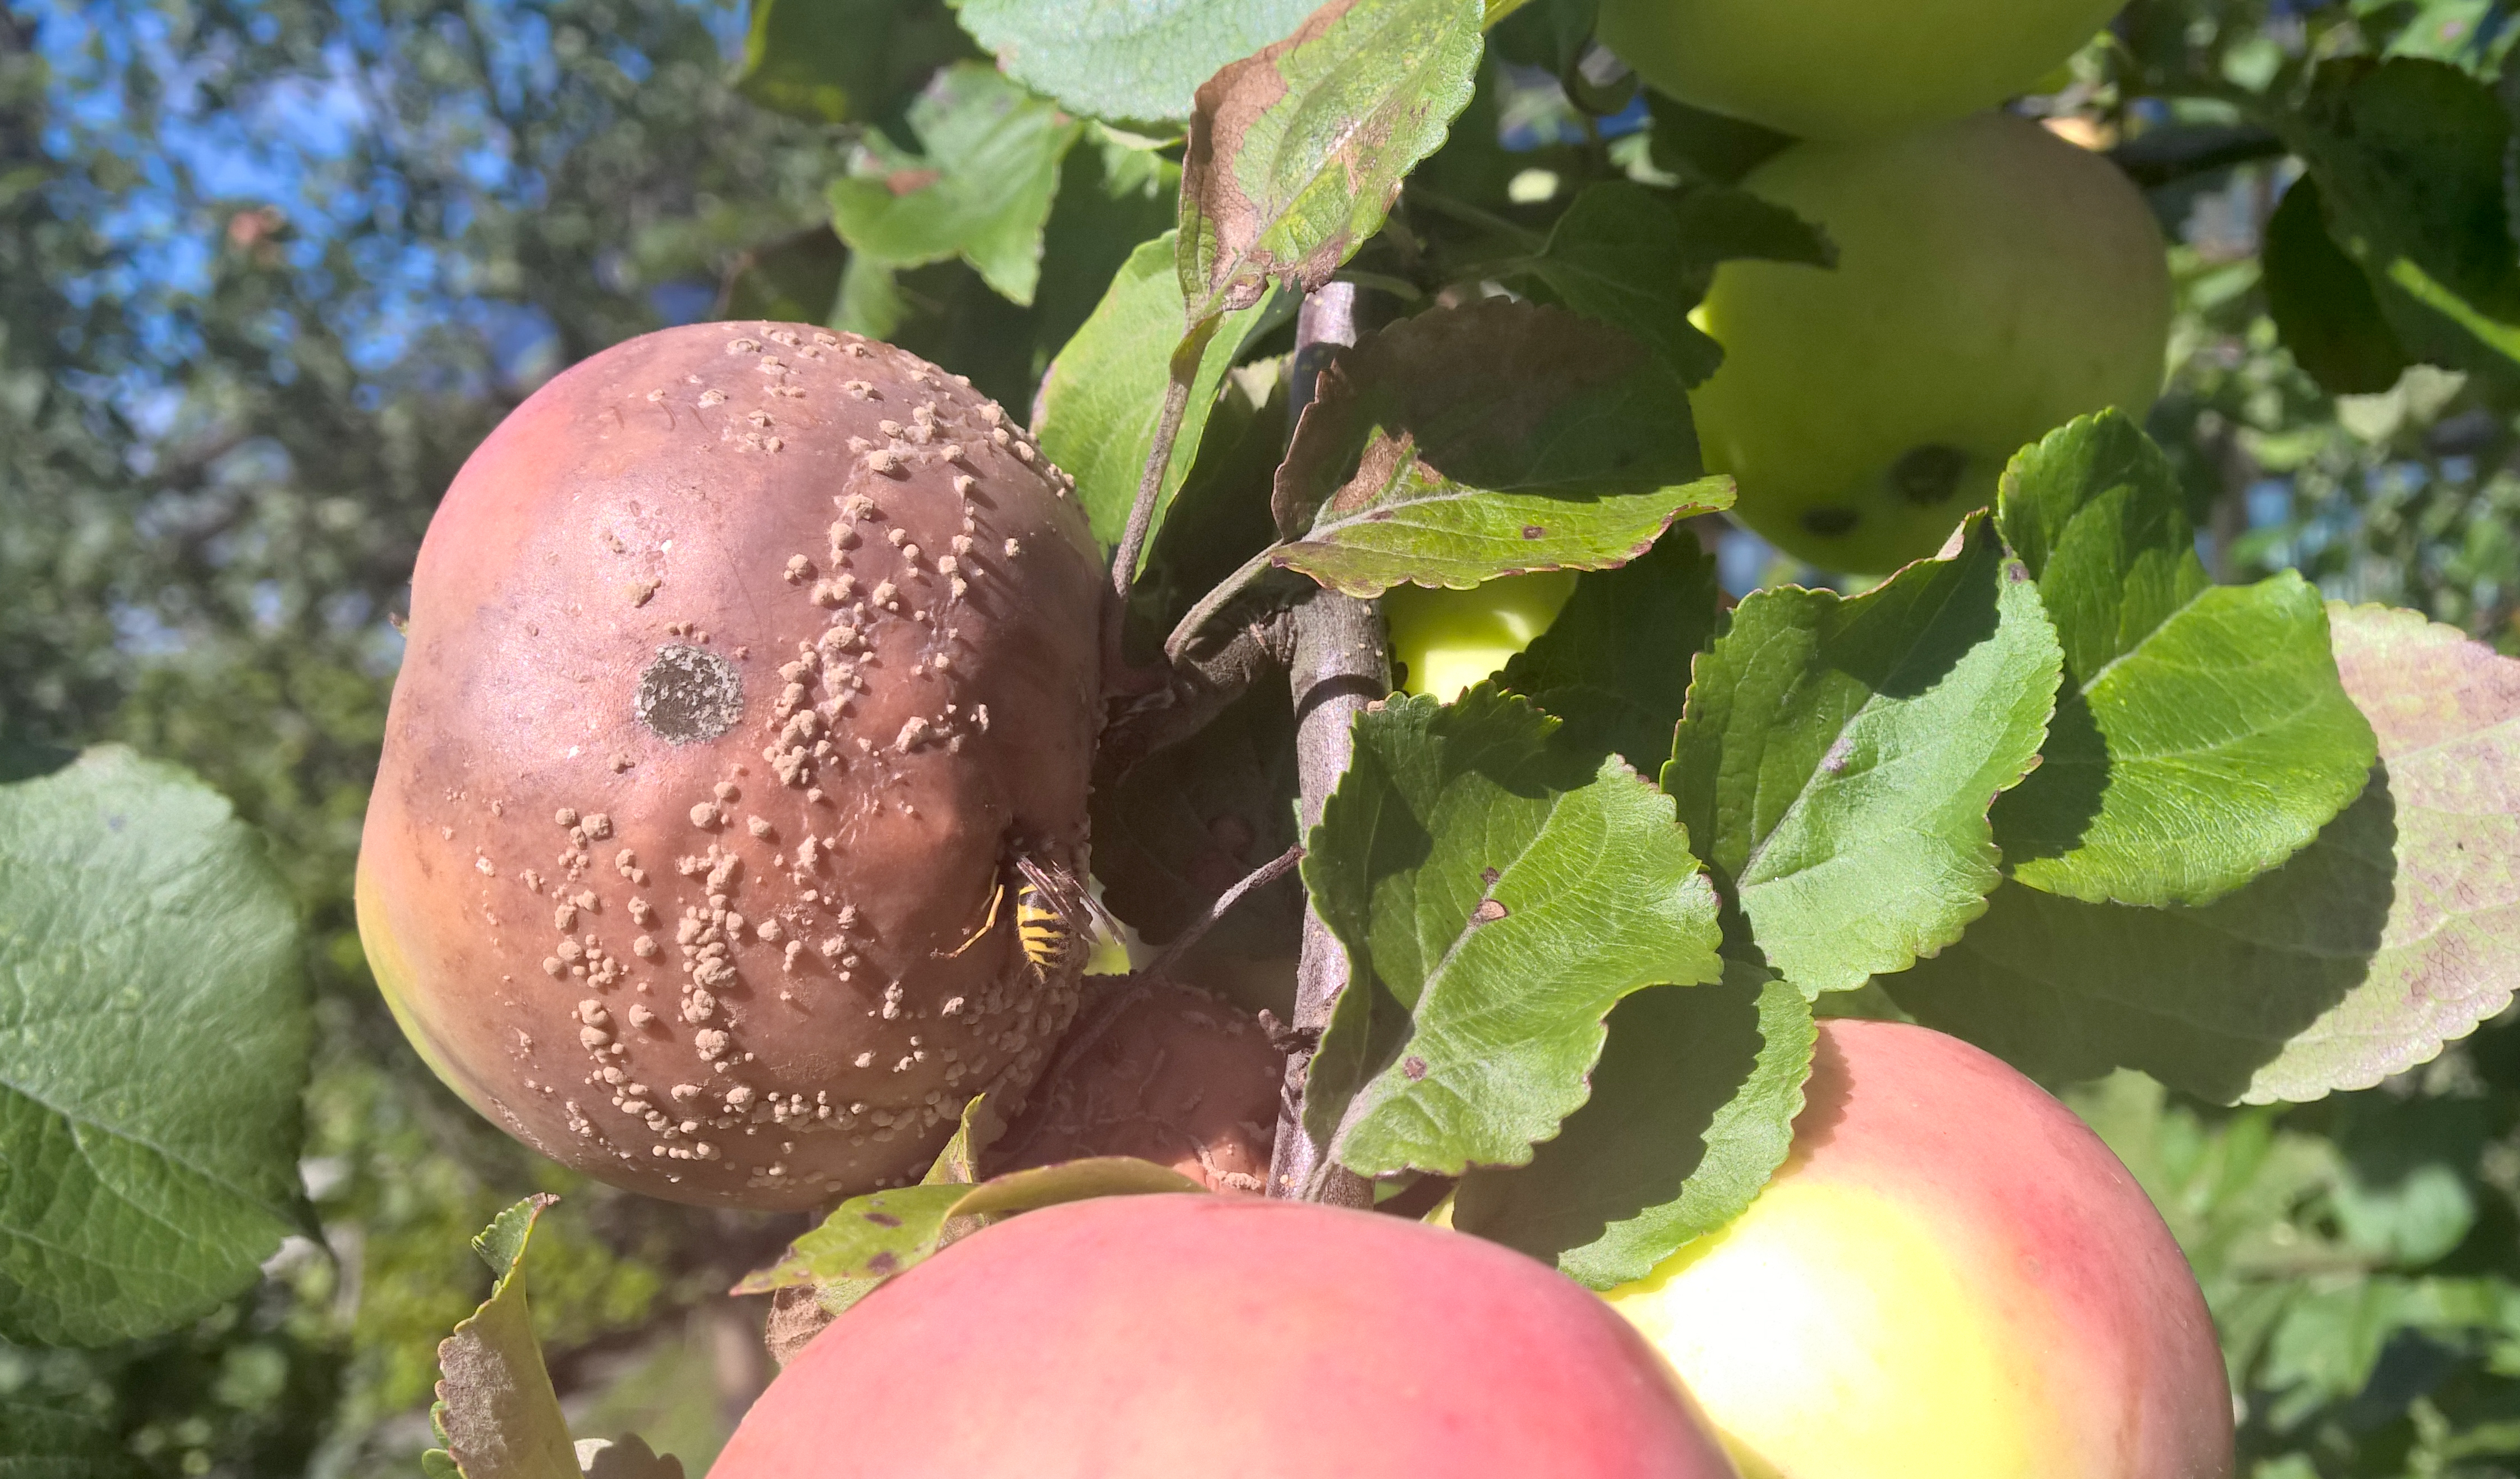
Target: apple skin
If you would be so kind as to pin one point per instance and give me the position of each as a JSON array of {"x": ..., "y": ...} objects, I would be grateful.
[
  {"x": 1160, "y": 1071},
  {"x": 1450, "y": 640},
  {"x": 1190, "y": 1336},
  {"x": 1847, "y": 68},
  {"x": 1951, "y": 1276},
  {"x": 1992, "y": 283}
]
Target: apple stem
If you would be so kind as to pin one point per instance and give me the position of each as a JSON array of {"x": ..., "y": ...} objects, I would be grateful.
[
  {"x": 1341, "y": 663},
  {"x": 1259, "y": 877}
]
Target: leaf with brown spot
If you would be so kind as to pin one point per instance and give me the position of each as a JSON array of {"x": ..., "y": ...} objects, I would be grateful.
[
  {"x": 1296, "y": 154},
  {"x": 495, "y": 1411},
  {"x": 1472, "y": 443}
]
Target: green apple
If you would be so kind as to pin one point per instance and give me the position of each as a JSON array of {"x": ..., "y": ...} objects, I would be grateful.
[
  {"x": 1992, "y": 283},
  {"x": 1950, "y": 1277},
  {"x": 1446, "y": 641},
  {"x": 1847, "y": 68}
]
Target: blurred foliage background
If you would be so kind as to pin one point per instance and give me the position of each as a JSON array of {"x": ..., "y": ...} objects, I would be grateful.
[{"x": 270, "y": 268}]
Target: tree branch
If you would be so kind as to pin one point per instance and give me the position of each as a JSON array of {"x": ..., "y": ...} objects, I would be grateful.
[{"x": 1340, "y": 665}]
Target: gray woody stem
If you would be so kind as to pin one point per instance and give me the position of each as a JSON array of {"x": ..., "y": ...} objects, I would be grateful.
[{"x": 1340, "y": 665}]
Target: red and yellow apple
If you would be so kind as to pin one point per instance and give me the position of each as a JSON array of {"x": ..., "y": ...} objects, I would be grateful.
[
  {"x": 1950, "y": 1277},
  {"x": 1992, "y": 283},
  {"x": 1445, "y": 641},
  {"x": 1223, "y": 1337},
  {"x": 1847, "y": 68}
]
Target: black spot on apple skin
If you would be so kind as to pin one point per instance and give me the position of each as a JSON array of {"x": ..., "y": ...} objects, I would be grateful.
[
  {"x": 1829, "y": 523},
  {"x": 1928, "y": 474}
]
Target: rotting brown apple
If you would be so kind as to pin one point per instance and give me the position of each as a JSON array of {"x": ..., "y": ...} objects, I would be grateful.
[
  {"x": 1164, "y": 1072},
  {"x": 1226, "y": 1337},
  {"x": 743, "y": 660}
]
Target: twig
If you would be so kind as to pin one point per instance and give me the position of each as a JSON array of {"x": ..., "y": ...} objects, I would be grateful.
[
  {"x": 1159, "y": 456},
  {"x": 1259, "y": 877},
  {"x": 1340, "y": 665}
]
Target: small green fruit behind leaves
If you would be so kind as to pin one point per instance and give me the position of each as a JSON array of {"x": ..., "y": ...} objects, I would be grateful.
[
  {"x": 1497, "y": 890},
  {"x": 2393, "y": 933},
  {"x": 156, "y": 1049},
  {"x": 1838, "y": 756},
  {"x": 2201, "y": 736}
]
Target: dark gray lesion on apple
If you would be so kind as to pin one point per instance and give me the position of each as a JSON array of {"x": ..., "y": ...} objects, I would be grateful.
[
  {"x": 689, "y": 694},
  {"x": 1829, "y": 523},
  {"x": 1928, "y": 474}
]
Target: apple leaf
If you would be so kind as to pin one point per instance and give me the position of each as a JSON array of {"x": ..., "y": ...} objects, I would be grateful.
[
  {"x": 844, "y": 60},
  {"x": 1837, "y": 757},
  {"x": 1192, "y": 819},
  {"x": 2410, "y": 156},
  {"x": 495, "y": 1412},
  {"x": 883, "y": 1234},
  {"x": 2201, "y": 736},
  {"x": 1641, "y": 260},
  {"x": 2326, "y": 310},
  {"x": 627, "y": 1457},
  {"x": 1692, "y": 1110},
  {"x": 2396, "y": 930},
  {"x": 1295, "y": 153},
  {"x": 1497, "y": 891},
  {"x": 1472, "y": 443},
  {"x": 1614, "y": 665},
  {"x": 1138, "y": 62},
  {"x": 982, "y": 191},
  {"x": 154, "y": 1037},
  {"x": 57, "y": 1440},
  {"x": 1105, "y": 389}
]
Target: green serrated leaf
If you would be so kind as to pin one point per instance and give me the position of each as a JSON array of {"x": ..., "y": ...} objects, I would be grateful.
[
  {"x": 1497, "y": 891},
  {"x": 495, "y": 1409},
  {"x": 1105, "y": 391},
  {"x": 41, "y": 1441},
  {"x": 2201, "y": 736},
  {"x": 844, "y": 60},
  {"x": 2326, "y": 310},
  {"x": 1614, "y": 665},
  {"x": 958, "y": 1164},
  {"x": 883, "y": 1234},
  {"x": 1296, "y": 154},
  {"x": 982, "y": 190},
  {"x": 1837, "y": 758},
  {"x": 1642, "y": 259},
  {"x": 154, "y": 1038},
  {"x": 1692, "y": 1110},
  {"x": 2395, "y": 932},
  {"x": 1472, "y": 443},
  {"x": 2409, "y": 158},
  {"x": 1114, "y": 195},
  {"x": 1137, "y": 61}
]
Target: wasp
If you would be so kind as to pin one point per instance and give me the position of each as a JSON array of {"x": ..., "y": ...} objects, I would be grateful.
[{"x": 1056, "y": 918}]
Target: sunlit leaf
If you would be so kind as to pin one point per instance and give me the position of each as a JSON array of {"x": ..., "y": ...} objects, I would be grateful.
[
  {"x": 1466, "y": 443},
  {"x": 1837, "y": 758},
  {"x": 152, "y": 1043},
  {"x": 1497, "y": 890},
  {"x": 1137, "y": 61},
  {"x": 2201, "y": 736}
]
